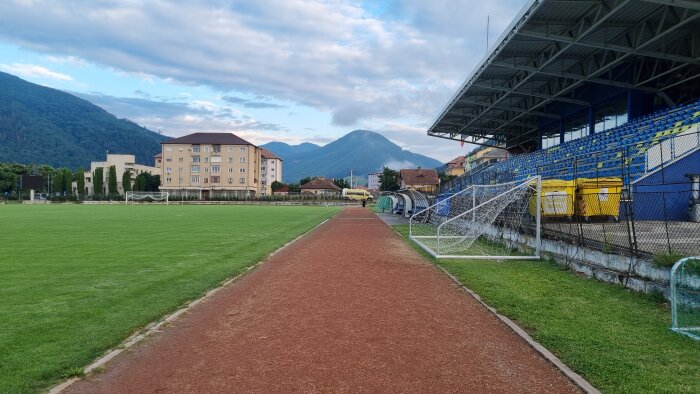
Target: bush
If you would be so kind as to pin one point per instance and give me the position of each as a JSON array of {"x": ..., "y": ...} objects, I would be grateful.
[{"x": 666, "y": 259}]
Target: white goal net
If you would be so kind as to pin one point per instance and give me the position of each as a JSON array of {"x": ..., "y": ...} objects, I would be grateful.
[
  {"x": 147, "y": 197},
  {"x": 482, "y": 221},
  {"x": 685, "y": 297}
]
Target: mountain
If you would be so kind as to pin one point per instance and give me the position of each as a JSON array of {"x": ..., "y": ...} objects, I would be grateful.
[
  {"x": 48, "y": 126},
  {"x": 283, "y": 150},
  {"x": 362, "y": 151}
]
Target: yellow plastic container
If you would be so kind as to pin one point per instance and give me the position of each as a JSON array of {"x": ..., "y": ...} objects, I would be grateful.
[
  {"x": 557, "y": 198},
  {"x": 598, "y": 197}
]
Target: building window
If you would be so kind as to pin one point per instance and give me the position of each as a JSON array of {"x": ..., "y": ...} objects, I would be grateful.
[
  {"x": 168, "y": 149},
  {"x": 195, "y": 179},
  {"x": 230, "y": 159},
  {"x": 242, "y": 149},
  {"x": 168, "y": 160},
  {"x": 88, "y": 180},
  {"x": 180, "y": 160},
  {"x": 216, "y": 159},
  {"x": 241, "y": 181},
  {"x": 195, "y": 148},
  {"x": 195, "y": 169},
  {"x": 230, "y": 149},
  {"x": 215, "y": 179},
  {"x": 206, "y": 180},
  {"x": 180, "y": 179},
  {"x": 217, "y": 149},
  {"x": 206, "y": 149},
  {"x": 230, "y": 170},
  {"x": 263, "y": 168},
  {"x": 230, "y": 180},
  {"x": 180, "y": 149},
  {"x": 169, "y": 180},
  {"x": 272, "y": 169},
  {"x": 195, "y": 159},
  {"x": 206, "y": 160},
  {"x": 241, "y": 170},
  {"x": 242, "y": 160},
  {"x": 168, "y": 170},
  {"x": 215, "y": 169},
  {"x": 206, "y": 169}
]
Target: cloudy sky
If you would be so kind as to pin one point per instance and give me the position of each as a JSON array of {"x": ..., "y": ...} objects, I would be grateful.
[{"x": 268, "y": 70}]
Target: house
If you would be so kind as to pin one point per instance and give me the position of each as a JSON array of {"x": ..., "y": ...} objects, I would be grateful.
[
  {"x": 270, "y": 171},
  {"x": 456, "y": 166},
  {"x": 419, "y": 179},
  {"x": 320, "y": 186},
  {"x": 121, "y": 163},
  {"x": 282, "y": 191},
  {"x": 485, "y": 155},
  {"x": 210, "y": 165},
  {"x": 158, "y": 159},
  {"x": 373, "y": 181}
]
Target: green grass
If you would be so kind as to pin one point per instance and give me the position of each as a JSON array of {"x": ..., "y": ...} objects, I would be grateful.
[
  {"x": 617, "y": 339},
  {"x": 76, "y": 280}
]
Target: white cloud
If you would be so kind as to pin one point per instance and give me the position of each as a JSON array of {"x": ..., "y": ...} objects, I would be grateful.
[{"x": 33, "y": 70}]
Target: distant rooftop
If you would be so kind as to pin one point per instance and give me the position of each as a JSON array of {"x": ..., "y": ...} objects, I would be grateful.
[
  {"x": 320, "y": 183},
  {"x": 269, "y": 155},
  {"x": 209, "y": 138}
]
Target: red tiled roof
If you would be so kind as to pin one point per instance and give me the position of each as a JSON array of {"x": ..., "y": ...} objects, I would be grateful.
[
  {"x": 283, "y": 189},
  {"x": 209, "y": 138},
  {"x": 419, "y": 176},
  {"x": 269, "y": 155},
  {"x": 320, "y": 183},
  {"x": 457, "y": 162}
]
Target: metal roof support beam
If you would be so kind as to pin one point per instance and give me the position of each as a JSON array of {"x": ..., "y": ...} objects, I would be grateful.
[
  {"x": 619, "y": 58},
  {"x": 534, "y": 94},
  {"x": 514, "y": 109},
  {"x": 514, "y": 123},
  {"x": 602, "y": 13},
  {"x": 634, "y": 39},
  {"x": 690, "y": 4},
  {"x": 579, "y": 77}
]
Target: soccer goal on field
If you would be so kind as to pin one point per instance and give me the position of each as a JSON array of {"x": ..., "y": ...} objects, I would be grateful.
[
  {"x": 147, "y": 197},
  {"x": 482, "y": 221}
]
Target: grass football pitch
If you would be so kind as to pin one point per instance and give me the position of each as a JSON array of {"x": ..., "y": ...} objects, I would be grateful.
[{"x": 77, "y": 280}]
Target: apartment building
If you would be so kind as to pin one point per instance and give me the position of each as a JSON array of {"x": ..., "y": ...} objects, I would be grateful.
[
  {"x": 373, "y": 182},
  {"x": 205, "y": 165},
  {"x": 121, "y": 163},
  {"x": 270, "y": 171}
]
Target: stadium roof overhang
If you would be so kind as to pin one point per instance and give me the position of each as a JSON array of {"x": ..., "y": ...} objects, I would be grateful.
[{"x": 555, "y": 48}]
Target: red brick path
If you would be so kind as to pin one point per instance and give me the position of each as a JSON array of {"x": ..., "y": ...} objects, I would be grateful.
[{"x": 348, "y": 308}]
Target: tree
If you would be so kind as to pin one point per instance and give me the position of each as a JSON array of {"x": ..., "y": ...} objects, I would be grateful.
[
  {"x": 294, "y": 188},
  {"x": 57, "y": 183},
  {"x": 276, "y": 185},
  {"x": 389, "y": 180},
  {"x": 98, "y": 182},
  {"x": 126, "y": 181},
  {"x": 140, "y": 182},
  {"x": 80, "y": 178},
  {"x": 112, "y": 181},
  {"x": 341, "y": 183},
  {"x": 67, "y": 181}
]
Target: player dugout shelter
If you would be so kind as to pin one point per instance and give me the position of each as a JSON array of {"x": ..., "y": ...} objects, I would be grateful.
[{"x": 564, "y": 69}]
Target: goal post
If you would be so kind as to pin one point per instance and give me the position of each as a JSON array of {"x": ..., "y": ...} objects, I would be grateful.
[
  {"x": 483, "y": 221},
  {"x": 685, "y": 297},
  {"x": 147, "y": 197}
]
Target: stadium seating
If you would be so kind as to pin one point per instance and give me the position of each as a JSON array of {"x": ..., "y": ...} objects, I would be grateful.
[{"x": 618, "y": 152}]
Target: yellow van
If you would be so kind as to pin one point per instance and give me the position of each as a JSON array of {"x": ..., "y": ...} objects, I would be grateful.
[{"x": 357, "y": 195}]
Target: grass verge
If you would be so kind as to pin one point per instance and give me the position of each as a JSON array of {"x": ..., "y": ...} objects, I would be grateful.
[
  {"x": 76, "y": 280},
  {"x": 617, "y": 339}
]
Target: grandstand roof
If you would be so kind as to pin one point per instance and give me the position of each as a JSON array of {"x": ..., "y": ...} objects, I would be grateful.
[{"x": 554, "y": 49}]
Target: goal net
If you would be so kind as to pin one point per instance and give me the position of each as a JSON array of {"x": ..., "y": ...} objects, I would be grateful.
[
  {"x": 685, "y": 297},
  {"x": 482, "y": 221},
  {"x": 147, "y": 197}
]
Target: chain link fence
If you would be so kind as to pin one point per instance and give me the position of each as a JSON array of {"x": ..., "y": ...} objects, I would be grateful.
[{"x": 640, "y": 199}]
